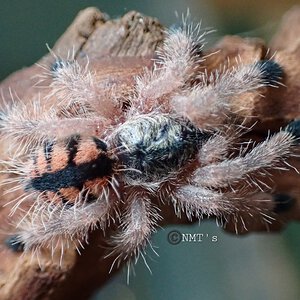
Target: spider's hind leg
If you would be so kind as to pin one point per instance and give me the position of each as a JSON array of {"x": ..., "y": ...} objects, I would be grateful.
[
  {"x": 177, "y": 62},
  {"x": 59, "y": 227}
]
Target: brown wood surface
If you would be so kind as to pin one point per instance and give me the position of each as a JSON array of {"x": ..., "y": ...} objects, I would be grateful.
[{"x": 119, "y": 49}]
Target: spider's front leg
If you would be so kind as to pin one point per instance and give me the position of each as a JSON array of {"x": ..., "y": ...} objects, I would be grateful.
[
  {"x": 196, "y": 201},
  {"x": 208, "y": 106},
  {"x": 270, "y": 153},
  {"x": 238, "y": 206}
]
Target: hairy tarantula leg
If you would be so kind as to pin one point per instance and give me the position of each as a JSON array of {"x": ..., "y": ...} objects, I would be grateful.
[
  {"x": 52, "y": 226},
  {"x": 34, "y": 124},
  {"x": 209, "y": 105},
  {"x": 217, "y": 147},
  {"x": 270, "y": 153},
  {"x": 197, "y": 201},
  {"x": 138, "y": 223},
  {"x": 177, "y": 60},
  {"x": 74, "y": 84}
]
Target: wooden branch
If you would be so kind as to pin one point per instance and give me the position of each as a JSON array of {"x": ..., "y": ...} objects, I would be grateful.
[{"x": 123, "y": 47}]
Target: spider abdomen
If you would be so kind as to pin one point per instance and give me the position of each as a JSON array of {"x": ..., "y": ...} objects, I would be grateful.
[
  {"x": 152, "y": 146},
  {"x": 71, "y": 170}
]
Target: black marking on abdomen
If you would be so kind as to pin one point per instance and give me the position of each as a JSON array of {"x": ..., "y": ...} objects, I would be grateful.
[
  {"x": 48, "y": 149},
  {"x": 36, "y": 169},
  {"x": 100, "y": 145},
  {"x": 88, "y": 197},
  {"x": 66, "y": 202},
  {"x": 72, "y": 175},
  {"x": 72, "y": 147}
]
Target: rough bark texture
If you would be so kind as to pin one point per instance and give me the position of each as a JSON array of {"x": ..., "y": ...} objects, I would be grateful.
[{"x": 123, "y": 48}]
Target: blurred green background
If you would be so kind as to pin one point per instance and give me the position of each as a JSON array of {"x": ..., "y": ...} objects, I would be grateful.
[{"x": 257, "y": 266}]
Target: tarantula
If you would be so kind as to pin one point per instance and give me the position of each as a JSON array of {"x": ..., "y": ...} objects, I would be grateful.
[{"x": 85, "y": 160}]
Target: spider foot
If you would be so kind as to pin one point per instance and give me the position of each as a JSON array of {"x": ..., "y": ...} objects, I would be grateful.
[
  {"x": 294, "y": 128},
  {"x": 13, "y": 242}
]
